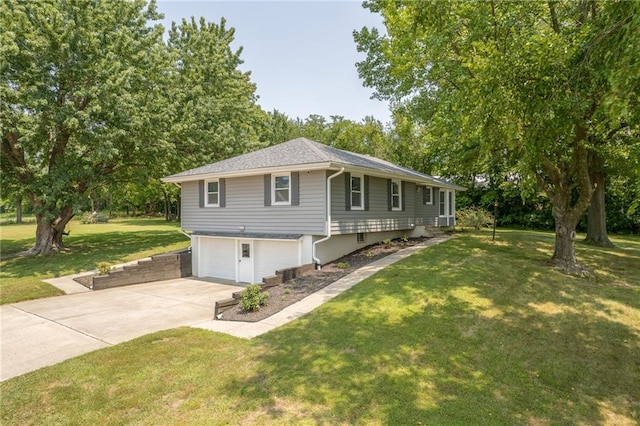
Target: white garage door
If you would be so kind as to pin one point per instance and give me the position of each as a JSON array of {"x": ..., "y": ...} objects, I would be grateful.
[
  {"x": 273, "y": 255},
  {"x": 217, "y": 258}
]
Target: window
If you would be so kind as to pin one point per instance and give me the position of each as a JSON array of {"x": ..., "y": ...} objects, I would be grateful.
[
  {"x": 447, "y": 203},
  {"x": 212, "y": 193},
  {"x": 396, "y": 195},
  {"x": 281, "y": 188},
  {"x": 360, "y": 238},
  {"x": 246, "y": 251},
  {"x": 357, "y": 193},
  {"x": 428, "y": 195}
]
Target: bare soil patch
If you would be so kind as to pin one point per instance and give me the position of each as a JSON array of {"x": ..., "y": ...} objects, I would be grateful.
[{"x": 298, "y": 288}]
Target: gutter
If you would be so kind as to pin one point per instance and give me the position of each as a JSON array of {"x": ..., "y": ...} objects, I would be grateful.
[{"x": 328, "y": 223}]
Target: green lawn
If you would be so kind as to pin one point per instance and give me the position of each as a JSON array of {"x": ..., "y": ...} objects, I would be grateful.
[
  {"x": 467, "y": 332},
  {"x": 118, "y": 241}
]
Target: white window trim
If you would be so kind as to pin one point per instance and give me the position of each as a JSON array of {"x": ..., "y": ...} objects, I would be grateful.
[
  {"x": 361, "y": 206},
  {"x": 452, "y": 203},
  {"x": 399, "y": 195},
  {"x": 430, "y": 189},
  {"x": 364, "y": 238},
  {"x": 273, "y": 189},
  {"x": 206, "y": 193}
]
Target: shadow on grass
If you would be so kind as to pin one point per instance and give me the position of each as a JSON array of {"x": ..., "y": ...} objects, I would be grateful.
[
  {"x": 144, "y": 221},
  {"x": 87, "y": 250},
  {"x": 459, "y": 334}
]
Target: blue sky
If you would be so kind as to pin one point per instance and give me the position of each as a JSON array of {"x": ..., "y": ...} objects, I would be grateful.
[{"x": 301, "y": 54}]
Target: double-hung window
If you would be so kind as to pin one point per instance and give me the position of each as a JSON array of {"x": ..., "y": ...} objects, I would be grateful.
[
  {"x": 443, "y": 202},
  {"x": 396, "y": 195},
  {"x": 428, "y": 195},
  {"x": 281, "y": 185},
  {"x": 357, "y": 193},
  {"x": 212, "y": 193}
]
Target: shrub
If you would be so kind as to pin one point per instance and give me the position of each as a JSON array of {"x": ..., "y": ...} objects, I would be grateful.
[
  {"x": 342, "y": 265},
  {"x": 369, "y": 254},
  {"x": 404, "y": 238},
  {"x": 95, "y": 217},
  {"x": 387, "y": 242},
  {"x": 103, "y": 268},
  {"x": 253, "y": 298},
  {"x": 473, "y": 217}
]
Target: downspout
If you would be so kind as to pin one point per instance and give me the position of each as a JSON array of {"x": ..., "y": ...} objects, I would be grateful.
[{"x": 328, "y": 224}]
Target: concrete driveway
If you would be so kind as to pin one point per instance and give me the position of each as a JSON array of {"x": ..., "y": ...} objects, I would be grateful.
[{"x": 43, "y": 332}]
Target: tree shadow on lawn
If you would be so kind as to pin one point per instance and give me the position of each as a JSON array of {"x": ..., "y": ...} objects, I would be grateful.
[
  {"x": 435, "y": 345},
  {"x": 87, "y": 250},
  {"x": 147, "y": 221}
]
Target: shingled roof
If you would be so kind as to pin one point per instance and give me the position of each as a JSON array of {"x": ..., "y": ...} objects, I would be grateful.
[{"x": 298, "y": 154}]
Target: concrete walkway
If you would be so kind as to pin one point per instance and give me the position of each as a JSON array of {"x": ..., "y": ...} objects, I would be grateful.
[{"x": 43, "y": 332}]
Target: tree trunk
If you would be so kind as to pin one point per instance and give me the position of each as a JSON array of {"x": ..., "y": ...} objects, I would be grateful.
[
  {"x": 19, "y": 209},
  {"x": 564, "y": 254},
  {"x": 49, "y": 232},
  {"x": 167, "y": 206},
  {"x": 596, "y": 216}
]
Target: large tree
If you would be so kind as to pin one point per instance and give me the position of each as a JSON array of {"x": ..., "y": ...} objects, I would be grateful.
[
  {"x": 79, "y": 100},
  {"x": 210, "y": 102},
  {"x": 536, "y": 83}
]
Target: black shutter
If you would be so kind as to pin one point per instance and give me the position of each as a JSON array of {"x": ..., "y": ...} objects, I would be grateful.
[
  {"x": 366, "y": 193},
  {"x": 403, "y": 195},
  {"x": 201, "y": 193},
  {"x": 347, "y": 191},
  {"x": 389, "y": 202},
  {"x": 222, "y": 193},
  {"x": 267, "y": 190},
  {"x": 295, "y": 188}
]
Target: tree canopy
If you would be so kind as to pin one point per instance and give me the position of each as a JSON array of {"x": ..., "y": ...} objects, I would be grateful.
[
  {"x": 539, "y": 85},
  {"x": 93, "y": 96}
]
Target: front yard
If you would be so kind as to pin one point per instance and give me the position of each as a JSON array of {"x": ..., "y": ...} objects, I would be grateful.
[
  {"x": 467, "y": 332},
  {"x": 120, "y": 240}
]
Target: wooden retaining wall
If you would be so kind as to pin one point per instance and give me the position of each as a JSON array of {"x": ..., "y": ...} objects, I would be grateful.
[
  {"x": 271, "y": 281},
  {"x": 158, "y": 268}
]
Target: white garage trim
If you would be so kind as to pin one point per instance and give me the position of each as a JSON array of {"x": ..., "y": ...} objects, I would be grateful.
[{"x": 245, "y": 259}]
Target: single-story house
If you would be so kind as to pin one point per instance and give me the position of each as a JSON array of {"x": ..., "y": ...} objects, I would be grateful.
[{"x": 302, "y": 202}]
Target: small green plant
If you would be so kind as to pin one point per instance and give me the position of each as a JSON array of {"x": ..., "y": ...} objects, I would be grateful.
[
  {"x": 368, "y": 254},
  {"x": 342, "y": 265},
  {"x": 253, "y": 298},
  {"x": 287, "y": 291},
  {"x": 95, "y": 217},
  {"x": 104, "y": 268},
  {"x": 473, "y": 217},
  {"x": 387, "y": 242},
  {"x": 404, "y": 238}
]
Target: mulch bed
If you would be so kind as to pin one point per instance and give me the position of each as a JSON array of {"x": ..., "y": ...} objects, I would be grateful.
[{"x": 298, "y": 288}]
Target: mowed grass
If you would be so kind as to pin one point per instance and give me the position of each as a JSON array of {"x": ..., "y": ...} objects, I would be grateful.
[
  {"x": 467, "y": 332},
  {"x": 120, "y": 240}
]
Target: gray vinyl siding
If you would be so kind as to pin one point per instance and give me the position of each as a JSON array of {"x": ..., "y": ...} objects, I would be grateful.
[
  {"x": 244, "y": 206},
  {"x": 378, "y": 218},
  {"x": 427, "y": 214}
]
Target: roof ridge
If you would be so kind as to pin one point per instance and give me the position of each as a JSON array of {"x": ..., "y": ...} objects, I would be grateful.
[{"x": 314, "y": 146}]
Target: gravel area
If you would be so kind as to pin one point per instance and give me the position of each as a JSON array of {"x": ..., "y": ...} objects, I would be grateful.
[{"x": 298, "y": 288}]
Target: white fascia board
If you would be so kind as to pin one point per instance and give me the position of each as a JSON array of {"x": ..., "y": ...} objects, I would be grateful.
[
  {"x": 407, "y": 178},
  {"x": 250, "y": 172}
]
